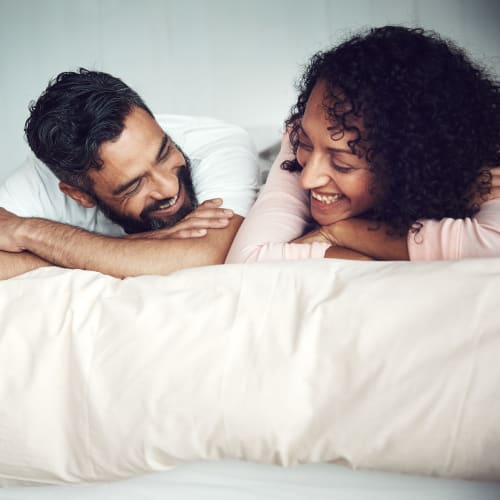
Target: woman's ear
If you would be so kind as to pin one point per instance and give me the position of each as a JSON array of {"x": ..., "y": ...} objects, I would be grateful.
[{"x": 84, "y": 199}]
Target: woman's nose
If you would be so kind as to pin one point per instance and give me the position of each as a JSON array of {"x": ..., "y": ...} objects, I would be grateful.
[{"x": 315, "y": 172}]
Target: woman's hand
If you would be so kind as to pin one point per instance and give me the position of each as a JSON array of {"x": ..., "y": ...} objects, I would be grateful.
[
  {"x": 325, "y": 235},
  {"x": 364, "y": 236},
  {"x": 345, "y": 253},
  {"x": 319, "y": 235},
  {"x": 495, "y": 183},
  {"x": 478, "y": 199}
]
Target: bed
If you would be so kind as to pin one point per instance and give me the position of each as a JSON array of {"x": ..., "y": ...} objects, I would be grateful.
[{"x": 314, "y": 379}]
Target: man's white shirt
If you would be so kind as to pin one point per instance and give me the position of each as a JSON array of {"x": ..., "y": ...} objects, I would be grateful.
[{"x": 224, "y": 164}]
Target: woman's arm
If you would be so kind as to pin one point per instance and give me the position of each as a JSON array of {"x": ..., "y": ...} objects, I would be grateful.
[
  {"x": 448, "y": 238},
  {"x": 280, "y": 214},
  {"x": 443, "y": 239},
  {"x": 459, "y": 238},
  {"x": 368, "y": 238}
]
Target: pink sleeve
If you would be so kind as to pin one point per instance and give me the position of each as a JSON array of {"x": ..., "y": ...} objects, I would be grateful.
[
  {"x": 459, "y": 238},
  {"x": 280, "y": 214}
]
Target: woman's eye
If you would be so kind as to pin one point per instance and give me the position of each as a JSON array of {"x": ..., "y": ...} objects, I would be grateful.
[
  {"x": 342, "y": 169},
  {"x": 303, "y": 145}
]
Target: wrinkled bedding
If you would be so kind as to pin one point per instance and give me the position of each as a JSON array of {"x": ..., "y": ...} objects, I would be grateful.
[{"x": 379, "y": 365}]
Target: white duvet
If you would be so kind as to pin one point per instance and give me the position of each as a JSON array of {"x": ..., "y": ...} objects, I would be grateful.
[{"x": 389, "y": 366}]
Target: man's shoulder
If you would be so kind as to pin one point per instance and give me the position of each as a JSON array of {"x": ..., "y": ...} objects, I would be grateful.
[
  {"x": 32, "y": 190},
  {"x": 197, "y": 131},
  {"x": 187, "y": 122},
  {"x": 31, "y": 174}
]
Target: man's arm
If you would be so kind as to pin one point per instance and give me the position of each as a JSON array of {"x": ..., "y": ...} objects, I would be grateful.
[
  {"x": 14, "y": 264},
  {"x": 72, "y": 247}
]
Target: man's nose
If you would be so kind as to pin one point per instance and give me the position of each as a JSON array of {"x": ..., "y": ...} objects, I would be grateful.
[
  {"x": 164, "y": 186},
  {"x": 315, "y": 172}
]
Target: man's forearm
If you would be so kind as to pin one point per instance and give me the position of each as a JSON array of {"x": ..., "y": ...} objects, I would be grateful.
[
  {"x": 73, "y": 247},
  {"x": 14, "y": 264},
  {"x": 368, "y": 238}
]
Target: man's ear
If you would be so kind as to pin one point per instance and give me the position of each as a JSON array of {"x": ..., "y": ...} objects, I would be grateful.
[{"x": 84, "y": 199}]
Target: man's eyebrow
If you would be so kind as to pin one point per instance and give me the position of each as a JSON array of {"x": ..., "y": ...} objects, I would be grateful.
[
  {"x": 123, "y": 187},
  {"x": 161, "y": 150},
  {"x": 164, "y": 143}
]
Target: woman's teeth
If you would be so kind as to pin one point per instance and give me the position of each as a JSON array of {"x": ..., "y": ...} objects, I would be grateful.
[
  {"x": 327, "y": 198},
  {"x": 169, "y": 203}
]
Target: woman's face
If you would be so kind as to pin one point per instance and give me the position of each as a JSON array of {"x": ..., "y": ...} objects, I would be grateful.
[{"x": 338, "y": 181}]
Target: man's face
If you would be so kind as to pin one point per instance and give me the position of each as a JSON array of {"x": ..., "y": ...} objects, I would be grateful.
[{"x": 145, "y": 181}]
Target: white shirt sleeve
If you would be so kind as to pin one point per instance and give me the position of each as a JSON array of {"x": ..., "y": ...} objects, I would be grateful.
[
  {"x": 32, "y": 190},
  {"x": 224, "y": 159},
  {"x": 24, "y": 192}
]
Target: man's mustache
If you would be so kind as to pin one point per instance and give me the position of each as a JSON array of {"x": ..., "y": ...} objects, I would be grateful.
[
  {"x": 155, "y": 205},
  {"x": 182, "y": 174}
]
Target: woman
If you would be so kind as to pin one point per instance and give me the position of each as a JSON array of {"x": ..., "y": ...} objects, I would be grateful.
[{"x": 390, "y": 153}]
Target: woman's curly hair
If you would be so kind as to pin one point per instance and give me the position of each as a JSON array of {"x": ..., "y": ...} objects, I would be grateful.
[{"x": 430, "y": 120}]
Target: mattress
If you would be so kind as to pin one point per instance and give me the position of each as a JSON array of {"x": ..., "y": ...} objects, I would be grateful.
[{"x": 236, "y": 480}]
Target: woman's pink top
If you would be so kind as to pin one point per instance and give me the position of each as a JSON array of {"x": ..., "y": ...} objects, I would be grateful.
[{"x": 281, "y": 214}]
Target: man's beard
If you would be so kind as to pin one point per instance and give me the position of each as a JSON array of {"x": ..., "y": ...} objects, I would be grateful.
[{"x": 147, "y": 221}]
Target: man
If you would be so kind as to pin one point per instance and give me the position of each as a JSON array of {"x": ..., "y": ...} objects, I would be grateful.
[{"x": 119, "y": 172}]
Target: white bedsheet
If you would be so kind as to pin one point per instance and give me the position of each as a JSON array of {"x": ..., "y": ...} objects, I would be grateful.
[{"x": 387, "y": 366}]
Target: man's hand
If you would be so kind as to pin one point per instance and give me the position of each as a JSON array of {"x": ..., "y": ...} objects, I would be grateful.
[
  {"x": 208, "y": 215},
  {"x": 76, "y": 248},
  {"x": 9, "y": 225}
]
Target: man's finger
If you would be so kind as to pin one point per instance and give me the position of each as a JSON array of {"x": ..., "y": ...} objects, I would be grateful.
[
  {"x": 201, "y": 222},
  {"x": 188, "y": 233},
  {"x": 210, "y": 213},
  {"x": 212, "y": 203}
]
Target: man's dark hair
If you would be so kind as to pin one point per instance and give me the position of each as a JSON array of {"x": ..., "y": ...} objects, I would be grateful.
[
  {"x": 430, "y": 120},
  {"x": 76, "y": 113}
]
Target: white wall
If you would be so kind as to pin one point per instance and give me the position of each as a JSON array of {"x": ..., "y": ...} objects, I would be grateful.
[{"x": 233, "y": 59}]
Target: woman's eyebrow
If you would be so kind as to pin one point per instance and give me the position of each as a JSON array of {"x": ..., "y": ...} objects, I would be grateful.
[
  {"x": 332, "y": 150},
  {"x": 340, "y": 150}
]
